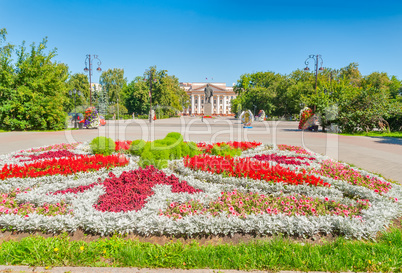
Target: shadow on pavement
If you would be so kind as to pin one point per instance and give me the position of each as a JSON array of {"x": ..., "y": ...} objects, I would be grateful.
[{"x": 388, "y": 140}]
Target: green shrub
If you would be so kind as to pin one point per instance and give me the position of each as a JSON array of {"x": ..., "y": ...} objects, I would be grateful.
[
  {"x": 137, "y": 147},
  {"x": 175, "y": 135},
  {"x": 158, "y": 152},
  {"x": 225, "y": 150},
  {"x": 102, "y": 145}
]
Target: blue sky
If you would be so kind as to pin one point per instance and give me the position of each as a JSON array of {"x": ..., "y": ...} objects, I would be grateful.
[{"x": 218, "y": 39}]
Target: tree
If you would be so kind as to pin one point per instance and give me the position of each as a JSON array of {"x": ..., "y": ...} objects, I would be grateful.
[
  {"x": 78, "y": 81},
  {"x": 166, "y": 93},
  {"x": 113, "y": 82},
  {"x": 137, "y": 96},
  {"x": 32, "y": 90}
]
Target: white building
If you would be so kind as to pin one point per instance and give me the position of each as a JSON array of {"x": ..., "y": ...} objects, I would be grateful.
[
  {"x": 96, "y": 86},
  {"x": 221, "y": 100}
]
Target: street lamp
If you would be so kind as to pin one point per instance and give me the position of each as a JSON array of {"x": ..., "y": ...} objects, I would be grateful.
[
  {"x": 255, "y": 106},
  {"x": 149, "y": 77},
  {"x": 88, "y": 68},
  {"x": 315, "y": 58},
  {"x": 74, "y": 93}
]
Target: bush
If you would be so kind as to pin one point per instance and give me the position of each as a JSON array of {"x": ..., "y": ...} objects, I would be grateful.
[
  {"x": 158, "y": 153},
  {"x": 102, "y": 145},
  {"x": 225, "y": 150},
  {"x": 175, "y": 135},
  {"x": 137, "y": 147}
]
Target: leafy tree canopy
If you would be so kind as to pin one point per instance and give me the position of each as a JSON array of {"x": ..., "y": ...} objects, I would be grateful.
[{"x": 32, "y": 89}]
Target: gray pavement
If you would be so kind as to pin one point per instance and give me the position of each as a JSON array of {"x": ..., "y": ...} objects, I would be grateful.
[{"x": 379, "y": 155}]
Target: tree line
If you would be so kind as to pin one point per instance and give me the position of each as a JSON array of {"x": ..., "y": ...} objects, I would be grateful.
[
  {"x": 343, "y": 96},
  {"x": 34, "y": 89},
  {"x": 34, "y": 93}
]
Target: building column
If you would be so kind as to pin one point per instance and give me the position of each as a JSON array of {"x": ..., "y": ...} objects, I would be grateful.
[
  {"x": 192, "y": 104},
  {"x": 199, "y": 104},
  {"x": 224, "y": 105},
  {"x": 218, "y": 105},
  {"x": 212, "y": 104}
]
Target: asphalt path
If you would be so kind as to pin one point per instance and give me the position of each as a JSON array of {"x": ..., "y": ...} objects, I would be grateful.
[{"x": 376, "y": 154}]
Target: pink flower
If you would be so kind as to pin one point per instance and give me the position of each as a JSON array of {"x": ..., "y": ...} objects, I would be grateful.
[
  {"x": 396, "y": 199},
  {"x": 171, "y": 205},
  {"x": 326, "y": 199}
]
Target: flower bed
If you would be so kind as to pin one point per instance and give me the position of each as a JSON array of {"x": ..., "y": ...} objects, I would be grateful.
[
  {"x": 64, "y": 166},
  {"x": 299, "y": 160},
  {"x": 47, "y": 155},
  {"x": 337, "y": 170},
  {"x": 123, "y": 146},
  {"x": 245, "y": 167},
  {"x": 267, "y": 190},
  {"x": 244, "y": 145},
  {"x": 244, "y": 204},
  {"x": 296, "y": 149}
]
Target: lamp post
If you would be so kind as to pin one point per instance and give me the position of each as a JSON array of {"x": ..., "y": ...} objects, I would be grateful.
[
  {"x": 255, "y": 106},
  {"x": 88, "y": 68},
  {"x": 149, "y": 77},
  {"x": 315, "y": 58},
  {"x": 74, "y": 93}
]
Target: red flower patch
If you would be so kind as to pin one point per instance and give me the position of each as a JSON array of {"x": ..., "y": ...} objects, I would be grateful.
[
  {"x": 64, "y": 166},
  {"x": 129, "y": 191},
  {"x": 123, "y": 145},
  {"x": 245, "y": 167}
]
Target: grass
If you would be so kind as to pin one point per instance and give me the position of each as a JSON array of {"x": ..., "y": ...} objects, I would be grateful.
[
  {"x": 67, "y": 129},
  {"x": 375, "y": 134},
  {"x": 277, "y": 254}
]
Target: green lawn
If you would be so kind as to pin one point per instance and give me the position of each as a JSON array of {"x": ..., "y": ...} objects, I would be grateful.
[
  {"x": 277, "y": 254},
  {"x": 376, "y": 134}
]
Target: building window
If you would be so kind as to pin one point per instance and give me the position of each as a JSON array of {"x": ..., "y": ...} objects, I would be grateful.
[
  {"x": 202, "y": 101},
  {"x": 221, "y": 102},
  {"x": 196, "y": 101},
  {"x": 215, "y": 101}
]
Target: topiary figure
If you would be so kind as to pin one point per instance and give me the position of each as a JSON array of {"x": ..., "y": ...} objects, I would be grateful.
[
  {"x": 175, "y": 135},
  {"x": 225, "y": 150},
  {"x": 102, "y": 145},
  {"x": 137, "y": 147}
]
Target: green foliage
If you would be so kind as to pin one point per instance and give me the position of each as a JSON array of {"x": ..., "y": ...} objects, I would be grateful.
[
  {"x": 158, "y": 152},
  {"x": 225, "y": 150},
  {"x": 137, "y": 97},
  {"x": 113, "y": 82},
  {"x": 364, "y": 111},
  {"x": 167, "y": 96},
  {"x": 78, "y": 81},
  {"x": 343, "y": 96},
  {"x": 118, "y": 109},
  {"x": 33, "y": 89},
  {"x": 102, "y": 145},
  {"x": 277, "y": 254},
  {"x": 175, "y": 135},
  {"x": 137, "y": 147}
]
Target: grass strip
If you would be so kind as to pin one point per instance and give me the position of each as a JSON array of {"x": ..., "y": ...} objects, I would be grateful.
[
  {"x": 278, "y": 254},
  {"x": 375, "y": 134}
]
